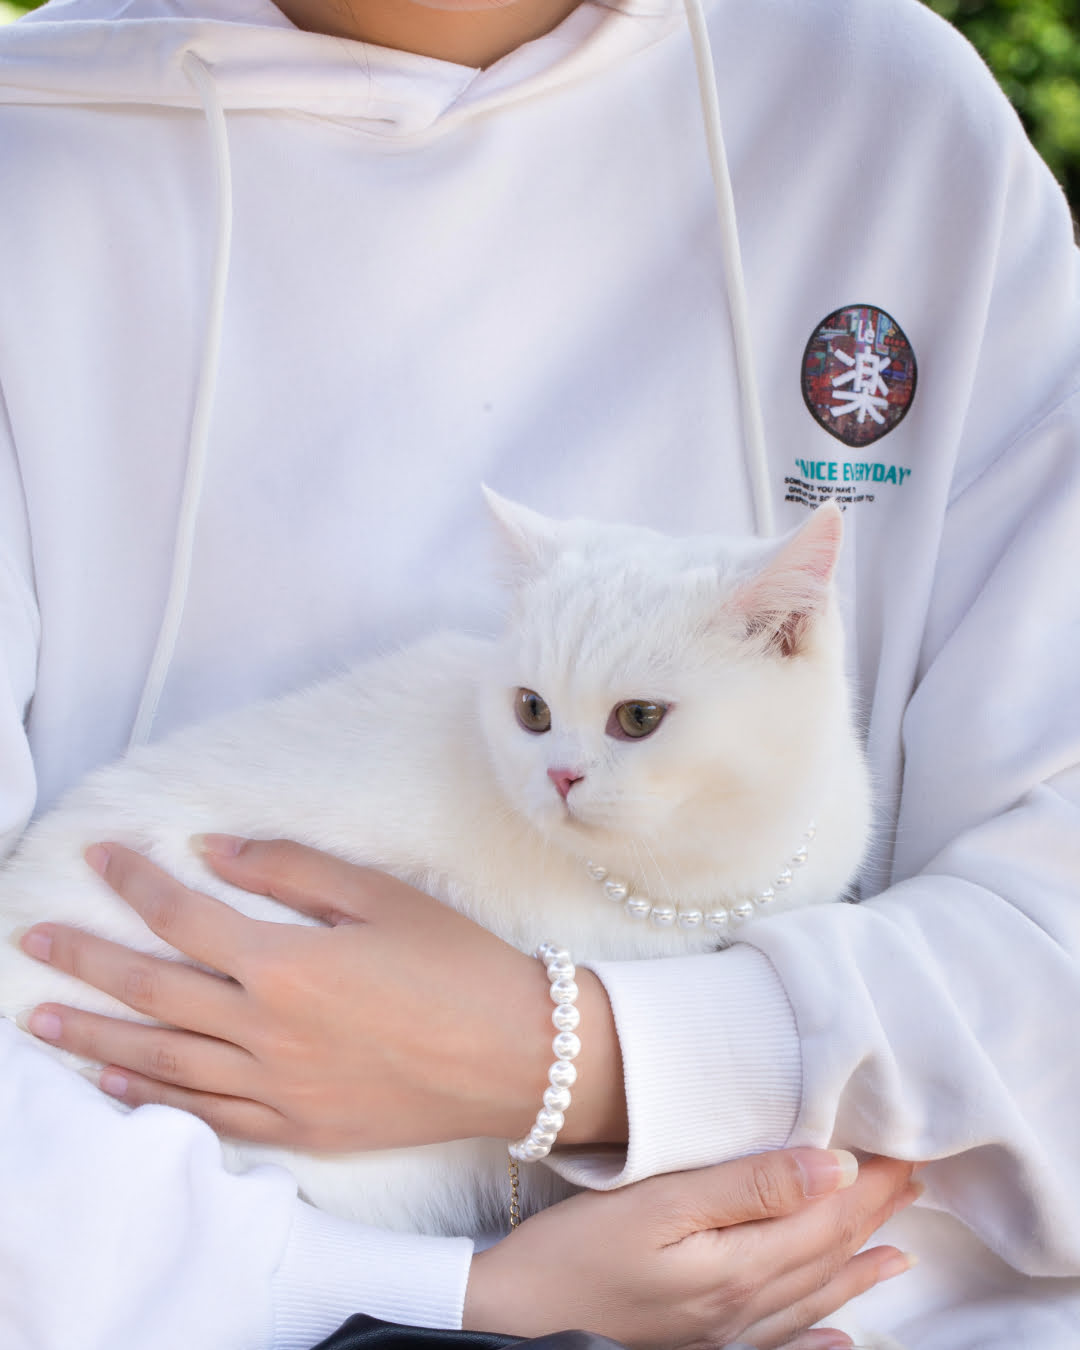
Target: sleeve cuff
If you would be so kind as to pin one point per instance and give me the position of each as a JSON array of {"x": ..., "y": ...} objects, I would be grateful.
[
  {"x": 711, "y": 1061},
  {"x": 332, "y": 1268}
]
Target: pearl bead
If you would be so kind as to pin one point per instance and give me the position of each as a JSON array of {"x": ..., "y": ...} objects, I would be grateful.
[
  {"x": 566, "y": 1045},
  {"x": 550, "y": 1120},
  {"x": 667, "y": 915},
  {"x": 556, "y": 1098},
  {"x": 562, "y": 1074}
]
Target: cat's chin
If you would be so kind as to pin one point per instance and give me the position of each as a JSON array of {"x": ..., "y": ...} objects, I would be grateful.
[
  {"x": 562, "y": 828},
  {"x": 567, "y": 831},
  {"x": 585, "y": 839}
]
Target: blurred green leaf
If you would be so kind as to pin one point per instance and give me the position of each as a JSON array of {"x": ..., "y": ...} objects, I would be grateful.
[{"x": 1033, "y": 47}]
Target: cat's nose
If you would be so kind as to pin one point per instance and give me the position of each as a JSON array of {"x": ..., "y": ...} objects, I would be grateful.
[{"x": 564, "y": 780}]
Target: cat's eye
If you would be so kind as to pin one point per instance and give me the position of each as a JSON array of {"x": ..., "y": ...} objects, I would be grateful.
[
  {"x": 532, "y": 712},
  {"x": 635, "y": 719}
]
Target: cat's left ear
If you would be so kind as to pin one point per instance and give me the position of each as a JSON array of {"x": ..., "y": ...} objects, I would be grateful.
[
  {"x": 781, "y": 601},
  {"x": 532, "y": 539}
]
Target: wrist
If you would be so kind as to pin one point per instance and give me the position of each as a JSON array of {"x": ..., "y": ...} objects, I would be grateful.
[
  {"x": 480, "y": 1311},
  {"x": 598, "y": 1114},
  {"x": 522, "y": 1077}
]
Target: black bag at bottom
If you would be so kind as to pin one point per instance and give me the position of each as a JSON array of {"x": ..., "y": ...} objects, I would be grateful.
[{"x": 368, "y": 1333}]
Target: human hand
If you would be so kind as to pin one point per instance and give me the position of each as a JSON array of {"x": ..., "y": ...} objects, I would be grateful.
[
  {"x": 755, "y": 1250},
  {"x": 399, "y": 1023}
]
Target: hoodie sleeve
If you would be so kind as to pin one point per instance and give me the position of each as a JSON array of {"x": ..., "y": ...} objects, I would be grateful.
[
  {"x": 125, "y": 1229},
  {"x": 20, "y": 631},
  {"x": 937, "y": 1019},
  {"x": 217, "y": 1260}
]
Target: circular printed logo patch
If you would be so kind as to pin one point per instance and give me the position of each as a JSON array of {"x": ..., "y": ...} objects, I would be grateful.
[{"x": 858, "y": 374}]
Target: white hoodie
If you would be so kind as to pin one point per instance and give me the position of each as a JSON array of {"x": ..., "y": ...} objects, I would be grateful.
[{"x": 362, "y": 281}]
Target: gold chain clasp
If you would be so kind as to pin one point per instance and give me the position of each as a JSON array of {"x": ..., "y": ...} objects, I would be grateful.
[{"x": 515, "y": 1193}]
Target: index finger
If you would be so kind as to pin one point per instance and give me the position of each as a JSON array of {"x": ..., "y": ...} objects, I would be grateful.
[
  {"x": 205, "y": 929},
  {"x": 303, "y": 878}
]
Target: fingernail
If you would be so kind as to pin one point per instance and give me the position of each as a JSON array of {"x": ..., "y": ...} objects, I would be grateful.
[
  {"x": 896, "y": 1265},
  {"x": 218, "y": 845},
  {"x": 823, "y": 1338},
  {"x": 115, "y": 1084},
  {"x": 826, "y": 1170},
  {"x": 45, "y": 1025},
  {"x": 37, "y": 942},
  {"x": 97, "y": 855}
]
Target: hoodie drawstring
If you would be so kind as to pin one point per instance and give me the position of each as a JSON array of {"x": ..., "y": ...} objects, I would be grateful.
[
  {"x": 753, "y": 424},
  {"x": 198, "y": 73}
]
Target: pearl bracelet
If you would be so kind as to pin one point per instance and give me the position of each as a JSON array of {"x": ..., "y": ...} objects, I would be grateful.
[{"x": 566, "y": 1047}]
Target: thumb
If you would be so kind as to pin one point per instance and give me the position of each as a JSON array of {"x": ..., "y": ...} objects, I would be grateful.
[{"x": 762, "y": 1186}]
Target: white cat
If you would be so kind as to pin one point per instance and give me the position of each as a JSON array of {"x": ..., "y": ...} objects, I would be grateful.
[{"x": 639, "y": 713}]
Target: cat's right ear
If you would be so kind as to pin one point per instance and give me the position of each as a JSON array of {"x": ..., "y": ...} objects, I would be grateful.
[
  {"x": 781, "y": 601},
  {"x": 530, "y": 539}
]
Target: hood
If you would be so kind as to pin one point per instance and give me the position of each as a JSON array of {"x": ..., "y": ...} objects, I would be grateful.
[
  {"x": 219, "y": 56},
  {"x": 132, "y": 52}
]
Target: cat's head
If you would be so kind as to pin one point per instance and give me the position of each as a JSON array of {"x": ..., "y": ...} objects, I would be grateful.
[{"x": 650, "y": 689}]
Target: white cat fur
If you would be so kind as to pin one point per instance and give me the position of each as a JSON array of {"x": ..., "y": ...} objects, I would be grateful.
[{"x": 414, "y": 763}]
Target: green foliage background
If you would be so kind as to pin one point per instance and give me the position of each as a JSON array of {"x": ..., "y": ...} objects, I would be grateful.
[{"x": 1032, "y": 46}]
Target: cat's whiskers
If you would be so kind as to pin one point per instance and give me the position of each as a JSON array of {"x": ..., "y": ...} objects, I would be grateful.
[
  {"x": 618, "y": 808},
  {"x": 665, "y": 888}
]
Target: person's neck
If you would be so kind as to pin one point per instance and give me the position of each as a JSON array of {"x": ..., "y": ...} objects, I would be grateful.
[{"x": 469, "y": 37}]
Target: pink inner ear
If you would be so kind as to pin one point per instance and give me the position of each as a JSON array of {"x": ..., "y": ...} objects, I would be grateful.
[{"x": 784, "y": 596}]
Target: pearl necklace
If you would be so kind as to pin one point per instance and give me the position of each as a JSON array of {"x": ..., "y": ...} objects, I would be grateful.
[{"x": 720, "y": 918}]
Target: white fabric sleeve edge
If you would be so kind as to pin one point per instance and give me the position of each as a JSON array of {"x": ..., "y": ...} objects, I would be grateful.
[
  {"x": 332, "y": 1268},
  {"x": 711, "y": 1061}
]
